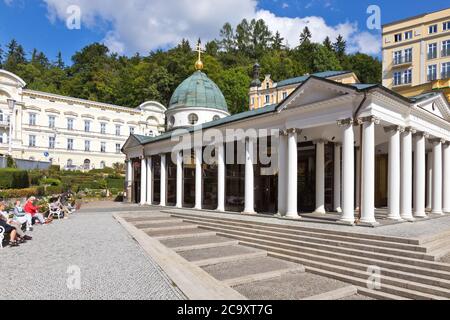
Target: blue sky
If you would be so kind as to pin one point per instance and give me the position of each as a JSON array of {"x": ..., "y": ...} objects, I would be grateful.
[{"x": 143, "y": 25}]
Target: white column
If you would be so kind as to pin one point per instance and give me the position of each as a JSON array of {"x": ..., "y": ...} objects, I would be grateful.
[
  {"x": 129, "y": 180},
  {"x": 143, "y": 181},
  {"x": 406, "y": 175},
  {"x": 429, "y": 179},
  {"x": 419, "y": 176},
  {"x": 221, "y": 177},
  {"x": 436, "y": 205},
  {"x": 179, "y": 201},
  {"x": 394, "y": 173},
  {"x": 348, "y": 171},
  {"x": 282, "y": 173},
  {"x": 198, "y": 177},
  {"x": 249, "y": 178},
  {"x": 358, "y": 179},
  {"x": 337, "y": 178},
  {"x": 163, "y": 181},
  {"x": 291, "y": 210},
  {"x": 149, "y": 181},
  {"x": 320, "y": 177},
  {"x": 368, "y": 172},
  {"x": 446, "y": 178}
]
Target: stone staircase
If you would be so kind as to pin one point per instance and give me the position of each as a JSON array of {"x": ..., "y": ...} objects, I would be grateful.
[{"x": 408, "y": 267}]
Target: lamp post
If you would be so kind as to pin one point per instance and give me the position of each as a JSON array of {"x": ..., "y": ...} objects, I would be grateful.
[{"x": 12, "y": 107}]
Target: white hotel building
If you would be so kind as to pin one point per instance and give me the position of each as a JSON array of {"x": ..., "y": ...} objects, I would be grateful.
[
  {"x": 341, "y": 147},
  {"x": 69, "y": 132}
]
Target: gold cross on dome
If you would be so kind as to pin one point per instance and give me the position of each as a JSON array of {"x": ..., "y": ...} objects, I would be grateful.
[{"x": 199, "y": 63}]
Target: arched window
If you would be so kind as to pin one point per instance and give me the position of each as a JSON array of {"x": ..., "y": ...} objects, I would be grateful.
[
  {"x": 102, "y": 165},
  {"x": 171, "y": 121},
  {"x": 87, "y": 164},
  {"x": 192, "y": 118},
  {"x": 216, "y": 118},
  {"x": 69, "y": 163}
]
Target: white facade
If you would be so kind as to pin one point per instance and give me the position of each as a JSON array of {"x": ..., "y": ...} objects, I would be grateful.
[
  {"x": 184, "y": 116},
  {"x": 69, "y": 132},
  {"x": 361, "y": 122}
]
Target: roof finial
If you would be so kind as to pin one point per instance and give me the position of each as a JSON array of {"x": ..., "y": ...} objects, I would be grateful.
[{"x": 199, "y": 63}]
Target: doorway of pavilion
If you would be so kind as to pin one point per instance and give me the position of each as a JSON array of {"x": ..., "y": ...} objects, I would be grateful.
[
  {"x": 189, "y": 179},
  {"x": 306, "y": 179},
  {"x": 136, "y": 180},
  {"x": 266, "y": 178},
  {"x": 171, "y": 181},
  {"x": 209, "y": 183},
  {"x": 234, "y": 177},
  {"x": 156, "y": 171}
]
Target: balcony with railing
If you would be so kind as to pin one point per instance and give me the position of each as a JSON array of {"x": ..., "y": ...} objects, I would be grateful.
[{"x": 402, "y": 61}]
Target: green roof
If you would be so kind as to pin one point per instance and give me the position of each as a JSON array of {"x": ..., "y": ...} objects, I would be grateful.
[
  {"x": 198, "y": 91},
  {"x": 324, "y": 74}
]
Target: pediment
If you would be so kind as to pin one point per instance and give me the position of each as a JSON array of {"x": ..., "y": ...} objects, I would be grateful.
[
  {"x": 315, "y": 90},
  {"x": 131, "y": 142},
  {"x": 436, "y": 105}
]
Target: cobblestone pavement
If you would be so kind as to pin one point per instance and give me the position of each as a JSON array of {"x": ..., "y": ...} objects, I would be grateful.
[{"x": 111, "y": 264}]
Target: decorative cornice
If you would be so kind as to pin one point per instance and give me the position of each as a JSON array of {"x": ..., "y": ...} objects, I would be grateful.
[
  {"x": 118, "y": 121},
  {"x": 52, "y": 110},
  {"x": 87, "y": 116},
  {"x": 32, "y": 108},
  {"x": 103, "y": 119},
  {"x": 70, "y": 113}
]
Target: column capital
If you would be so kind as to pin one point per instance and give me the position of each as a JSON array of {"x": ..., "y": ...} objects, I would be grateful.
[
  {"x": 345, "y": 122},
  {"x": 410, "y": 130},
  {"x": 437, "y": 140},
  {"x": 292, "y": 130},
  {"x": 394, "y": 128},
  {"x": 372, "y": 119},
  {"x": 421, "y": 134},
  {"x": 324, "y": 141}
]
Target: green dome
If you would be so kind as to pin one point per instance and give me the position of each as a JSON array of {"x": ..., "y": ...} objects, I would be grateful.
[{"x": 198, "y": 91}]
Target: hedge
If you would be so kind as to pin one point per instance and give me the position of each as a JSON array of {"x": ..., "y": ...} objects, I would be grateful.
[
  {"x": 114, "y": 183},
  {"x": 22, "y": 193},
  {"x": 14, "y": 179}
]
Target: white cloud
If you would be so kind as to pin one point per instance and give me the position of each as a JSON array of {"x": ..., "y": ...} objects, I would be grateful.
[{"x": 141, "y": 25}]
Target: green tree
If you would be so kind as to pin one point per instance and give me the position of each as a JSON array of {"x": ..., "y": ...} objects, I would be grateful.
[
  {"x": 15, "y": 57},
  {"x": 339, "y": 48},
  {"x": 234, "y": 85},
  {"x": 305, "y": 36},
  {"x": 327, "y": 43},
  {"x": 277, "y": 42},
  {"x": 227, "y": 41},
  {"x": 366, "y": 68}
]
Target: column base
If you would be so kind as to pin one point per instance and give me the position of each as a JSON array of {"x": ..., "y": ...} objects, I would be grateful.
[
  {"x": 440, "y": 212},
  {"x": 446, "y": 210},
  {"x": 408, "y": 218},
  {"x": 218, "y": 209},
  {"x": 349, "y": 221},
  {"x": 292, "y": 215},
  {"x": 338, "y": 210},
  {"x": 372, "y": 223},
  {"x": 395, "y": 218},
  {"x": 320, "y": 210},
  {"x": 252, "y": 213},
  {"x": 420, "y": 215}
]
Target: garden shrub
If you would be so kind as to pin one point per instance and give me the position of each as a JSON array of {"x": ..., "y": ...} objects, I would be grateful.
[
  {"x": 22, "y": 193},
  {"x": 50, "y": 182},
  {"x": 13, "y": 179}
]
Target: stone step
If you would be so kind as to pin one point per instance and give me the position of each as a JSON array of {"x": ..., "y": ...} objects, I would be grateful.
[
  {"x": 423, "y": 275},
  {"x": 185, "y": 233},
  {"x": 343, "y": 247},
  {"x": 379, "y": 295},
  {"x": 187, "y": 241},
  {"x": 429, "y": 263},
  {"x": 155, "y": 222},
  {"x": 184, "y": 226},
  {"x": 299, "y": 228},
  {"x": 146, "y": 218},
  {"x": 351, "y": 276},
  {"x": 206, "y": 246},
  {"x": 337, "y": 294},
  {"x": 315, "y": 233},
  {"x": 239, "y": 272},
  {"x": 237, "y": 257}
]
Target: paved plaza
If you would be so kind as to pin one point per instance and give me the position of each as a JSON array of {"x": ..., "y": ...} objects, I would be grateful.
[{"x": 112, "y": 264}]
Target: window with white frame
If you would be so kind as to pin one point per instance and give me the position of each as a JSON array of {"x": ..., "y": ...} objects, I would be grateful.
[
  {"x": 407, "y": 76},
  {"x": 432, "y": 72},
  {"x": 32, "y": 141},
  {"x": 87, "y": 125},
  {"x": 398, "y": 37},
  {"x": 267, "y": 99},
  {"x": 70, "y": 124},
  {"x": 103, "y": 147},
  {"x": 408, "y": 35},
  {"x": 87, "y": 145},
  {"x": 397, "y": 57},
  {"x": 102, "y": 128},
  {"x": 131, "y": 130},
  {"x": 51, "y": 121},
  {"x": 397, "y": 78},
  {"x": 117, "y": 129},
  {"x": 446, "y": 26},
  {"x": 445, "y": 70},
  {"x": 51, "y": 142},
  {"x": 433, "y": 29},
  {"x": 432, "y": 51},
  {"x": 446, "y": 48},
  {"x": 32, "y": 119},
  {"x": 69, "y": 144},
  {"x": 284, "y": 95},
  {"x": 408, "y": 55},
  {"x": 117, "y": 147}
]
